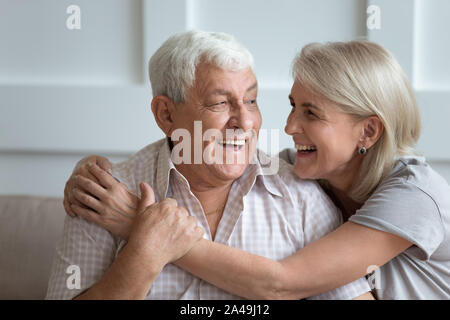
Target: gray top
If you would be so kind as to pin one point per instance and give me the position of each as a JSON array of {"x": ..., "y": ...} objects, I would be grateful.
[{"x": 413, "y": 202}]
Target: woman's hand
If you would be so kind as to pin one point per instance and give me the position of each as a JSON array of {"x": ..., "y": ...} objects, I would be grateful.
[
  {"x": 105, "y": 201},
  {"x": 82, "y": 170}
]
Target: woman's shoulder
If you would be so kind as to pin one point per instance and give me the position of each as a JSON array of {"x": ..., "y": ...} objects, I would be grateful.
[
  {"x": 411, "y": 202},
  {"x": 413, "y": 173}
]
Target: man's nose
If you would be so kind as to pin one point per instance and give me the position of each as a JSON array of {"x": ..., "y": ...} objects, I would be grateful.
[{"x": 242, "y": 118}]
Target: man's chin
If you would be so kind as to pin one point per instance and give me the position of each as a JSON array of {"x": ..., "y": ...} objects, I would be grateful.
[{"x": 230, "y": 171}]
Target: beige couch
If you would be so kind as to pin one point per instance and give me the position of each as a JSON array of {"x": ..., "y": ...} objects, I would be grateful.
[{"x": 29, "y": 229}]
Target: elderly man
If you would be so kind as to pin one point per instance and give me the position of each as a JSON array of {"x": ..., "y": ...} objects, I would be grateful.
[{"x": 195, "y": 76}]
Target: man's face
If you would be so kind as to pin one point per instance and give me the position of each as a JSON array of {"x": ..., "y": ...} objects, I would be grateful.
[{"x": 224, "y": 101}]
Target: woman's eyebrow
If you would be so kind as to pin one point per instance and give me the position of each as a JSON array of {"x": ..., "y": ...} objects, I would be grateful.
[{"x": 310, "y": 105}]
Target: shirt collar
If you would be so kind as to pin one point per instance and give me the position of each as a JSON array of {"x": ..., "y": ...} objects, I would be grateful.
[
  {"x": 257, "y": 169},
  {"x": 163, "y": 168}
]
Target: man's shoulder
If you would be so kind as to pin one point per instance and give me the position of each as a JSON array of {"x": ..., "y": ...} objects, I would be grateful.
[
  {"x": 141, "y": 163},
  {"x": 282, "y": 172}
]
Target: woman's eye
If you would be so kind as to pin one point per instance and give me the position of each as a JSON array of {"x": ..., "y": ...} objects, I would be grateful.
[{"x": 309, "y": 113}]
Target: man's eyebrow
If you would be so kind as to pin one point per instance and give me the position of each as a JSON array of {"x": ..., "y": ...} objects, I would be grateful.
[
  {"x": 222, "y": 92},
  {"x": 252, "y": 87}
]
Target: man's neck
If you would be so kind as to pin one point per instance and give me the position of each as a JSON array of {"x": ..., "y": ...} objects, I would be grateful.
[{"x": 212, "y": 195}]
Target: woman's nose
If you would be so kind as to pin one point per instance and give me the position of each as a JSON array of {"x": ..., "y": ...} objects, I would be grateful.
[{"x": 293, "y": 125}]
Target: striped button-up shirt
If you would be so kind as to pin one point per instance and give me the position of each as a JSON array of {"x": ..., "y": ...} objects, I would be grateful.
[{"x": 269, "y": 215}]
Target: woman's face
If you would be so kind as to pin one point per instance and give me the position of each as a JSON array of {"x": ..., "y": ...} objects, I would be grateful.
[{"x": 325, "y": 137}]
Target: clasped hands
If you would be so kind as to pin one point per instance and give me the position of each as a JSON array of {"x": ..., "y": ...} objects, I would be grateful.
[{"x": 161, "y": 231}]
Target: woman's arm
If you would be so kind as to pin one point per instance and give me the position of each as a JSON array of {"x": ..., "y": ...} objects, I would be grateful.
[{"x": 338, "y": 258}]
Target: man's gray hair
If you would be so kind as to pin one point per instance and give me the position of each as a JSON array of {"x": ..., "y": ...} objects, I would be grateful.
[{"x": 172, "y": 67}]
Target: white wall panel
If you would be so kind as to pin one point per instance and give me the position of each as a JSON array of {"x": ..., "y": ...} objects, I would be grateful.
[
  {"x": 275, "y": 30},
  {"x": 74, "y": 119},
  {"x": 432, "y": 49},
  {"x": 65, "y": 94},
  {"x": 416, "y": 32},
  {"x": 43, "y": 173},
  {"x": 39, "y": 49}
]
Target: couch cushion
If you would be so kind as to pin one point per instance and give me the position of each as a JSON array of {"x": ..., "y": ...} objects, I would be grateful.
[{"x": 29, "y": 229}]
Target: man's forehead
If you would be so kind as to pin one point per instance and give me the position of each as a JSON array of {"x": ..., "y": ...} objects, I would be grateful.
[{"x": 221, "y": 82}]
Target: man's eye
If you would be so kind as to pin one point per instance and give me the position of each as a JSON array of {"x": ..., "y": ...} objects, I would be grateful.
[
  {"x": 252, "y": 105},
  {"x": 218, "y": 106}
]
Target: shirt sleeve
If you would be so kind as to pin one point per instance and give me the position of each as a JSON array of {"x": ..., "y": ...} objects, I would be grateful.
[
  {"x": 83, "y": 254},
  {"x": 320, "y": 218},
  {"x": 403, "y": 209}
]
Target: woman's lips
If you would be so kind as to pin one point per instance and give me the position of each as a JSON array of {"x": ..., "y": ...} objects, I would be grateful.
[{"x": 305, "y": 151}]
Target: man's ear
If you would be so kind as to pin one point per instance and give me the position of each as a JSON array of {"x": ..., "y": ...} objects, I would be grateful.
[
  {"x": 163, "y": 108},
  {"x": 372, "y": 131}
]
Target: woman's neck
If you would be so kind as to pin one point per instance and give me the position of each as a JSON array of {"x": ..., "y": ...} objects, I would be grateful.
[
  {"x": 340, "y": 186},
  {"x": 344, "y": 202}
]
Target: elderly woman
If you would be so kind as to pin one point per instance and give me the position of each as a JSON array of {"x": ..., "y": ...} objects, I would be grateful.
[{"x": 354, "y": 122}]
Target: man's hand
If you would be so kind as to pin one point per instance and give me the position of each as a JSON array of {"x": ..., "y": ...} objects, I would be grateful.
[
  {"x": 106, "y": 202},
  {"x": 162, "y": 232},
  {"x": 81, "y": 169}
]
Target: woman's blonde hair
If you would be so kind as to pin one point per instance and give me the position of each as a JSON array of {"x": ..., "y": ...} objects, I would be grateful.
[{"x": 364, "y": 79}]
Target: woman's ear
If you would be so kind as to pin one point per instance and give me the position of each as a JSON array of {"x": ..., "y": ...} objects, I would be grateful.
[
  {"x": 163, "y": 108},
  {"x": 372, "y": 131}
]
